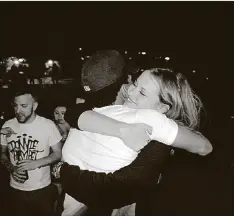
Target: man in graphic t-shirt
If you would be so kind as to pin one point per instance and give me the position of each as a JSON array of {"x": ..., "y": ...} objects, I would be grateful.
[{"x": 30, "y": 158}]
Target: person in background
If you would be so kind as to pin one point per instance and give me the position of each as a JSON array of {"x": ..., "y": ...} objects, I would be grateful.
[
  {"x": 31, "y": 191},
  {"x": 60, "y": 122},
  {"x": 64, "y": 128},
  {"x": 55, "y": 72}
]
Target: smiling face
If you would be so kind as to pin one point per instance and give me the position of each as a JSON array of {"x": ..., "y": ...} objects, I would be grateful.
[
  {"x": 144, "y": 93},
  {"x": 59, "y": 114},
  {"x": 24, "y": 107}
]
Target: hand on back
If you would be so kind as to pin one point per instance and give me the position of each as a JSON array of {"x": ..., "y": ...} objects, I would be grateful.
[{"x": 136, "y": 136}]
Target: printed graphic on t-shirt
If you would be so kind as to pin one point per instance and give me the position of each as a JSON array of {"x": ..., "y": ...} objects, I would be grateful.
[{"x": 24, "y": 147}]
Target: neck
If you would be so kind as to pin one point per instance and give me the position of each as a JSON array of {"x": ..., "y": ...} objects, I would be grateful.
[{"x": 31, "y": 119}]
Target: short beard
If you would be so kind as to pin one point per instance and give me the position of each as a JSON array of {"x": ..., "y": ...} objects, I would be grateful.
[{"x": 26, "y": 118}]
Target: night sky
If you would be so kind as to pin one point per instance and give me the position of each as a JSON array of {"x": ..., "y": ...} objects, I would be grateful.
[
  {"x": 197, "y": 29},
  {"x": 196, "y": 34}
]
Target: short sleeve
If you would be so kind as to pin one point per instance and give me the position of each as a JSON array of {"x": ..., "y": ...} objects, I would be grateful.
[
  {"x": 164, "y": 129},
  {"x": 3, "y": 139},
  {"x": 54, "y": 135}
]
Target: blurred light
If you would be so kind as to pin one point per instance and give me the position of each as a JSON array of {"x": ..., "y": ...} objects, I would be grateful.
[
  {"x": 87, "y": 56},
  {"x": 139, "y": 53},
  {"x": 207, "y": 78},
  {"x": 16, "y": 62},
  {"x": 232, "y": 117},
  {"x": 21, "y": 60},
  {"x": 50, "y": 62},
  {"x": 142, "y": 69},
  {"x": 126, "y": 52},
  {"x": 194, "y": 71},
  {"x": 143, "y": 53},
  {"x": 130, "y": 57},
  {"x": 21, "y": 72},
  {"x": 87, "y": 88},
  {"x": 167, "y": 58},
  {"x": 80, "y": 49},
  {"x": 82, "y": 58}
]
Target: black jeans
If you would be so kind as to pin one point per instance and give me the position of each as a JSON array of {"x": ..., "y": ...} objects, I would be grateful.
[{"x": 33, "y": 203}]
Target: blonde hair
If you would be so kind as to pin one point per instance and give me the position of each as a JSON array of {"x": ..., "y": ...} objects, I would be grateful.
[{"x": 175, "y": 91}]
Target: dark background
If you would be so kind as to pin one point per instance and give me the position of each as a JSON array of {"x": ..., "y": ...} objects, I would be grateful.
[{"x": 196, "y": 35}]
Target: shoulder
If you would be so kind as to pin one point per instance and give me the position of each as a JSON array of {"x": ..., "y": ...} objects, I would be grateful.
[
  {"x": 106, "y": 108},
  {"x": 113, "y": 110},
  {"x": 45, "y": 121},
  {"x": 10, "y": 122},
  {"x": 149, "y": 113}
]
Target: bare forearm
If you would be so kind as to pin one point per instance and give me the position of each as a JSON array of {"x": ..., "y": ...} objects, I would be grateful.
[
  {"x": 192, "y": 141},
  {"x": 54, "y": 157},
  {"x": 206, "y": 147},
  {"x": 91, "y": 121},
  {"x": 134, "y": 136},
  {"x": 6, "y": 162}
]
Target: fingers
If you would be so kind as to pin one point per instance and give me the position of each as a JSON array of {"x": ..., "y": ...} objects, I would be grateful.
[
  {"x": 19, "y": 163},
  {"x": 148, "y": 129},
  {"x": 11, "y": 130},
  {"x": 18, "y": 179},
  {"x": 22, "y": 162},
  {"x": 21, "y": 169},
  {"x": 145, "y": 127},
  {"x": 19, "y": 176},
  {"x": 21, "y": 166},
  {"x": 8, "y": 131}
]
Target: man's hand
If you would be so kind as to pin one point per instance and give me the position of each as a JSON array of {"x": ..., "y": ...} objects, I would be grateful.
[
  {"x": 19, "y": 176},
  {"x": 64, "y": 137},
  {"x": 27, "y": 165},
  {"x": 56, "y": 169},
  {"x": 7, "y": 131},
  {"x": 136, "y": 136}
]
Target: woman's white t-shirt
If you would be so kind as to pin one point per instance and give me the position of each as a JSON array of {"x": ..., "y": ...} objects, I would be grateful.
[{"x": 100, "y": 153}]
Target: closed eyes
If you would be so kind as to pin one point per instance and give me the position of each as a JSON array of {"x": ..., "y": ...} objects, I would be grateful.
[{"x": 142, "y": 91}]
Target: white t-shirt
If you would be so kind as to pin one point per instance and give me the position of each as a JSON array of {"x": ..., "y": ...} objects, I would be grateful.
[
  {"x": 33, "y": 141},
  {"x": 102, "y": 153}
]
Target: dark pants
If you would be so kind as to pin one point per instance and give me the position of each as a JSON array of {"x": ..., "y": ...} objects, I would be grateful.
[
  {"x": 33, "y": 203},
  {"x": 4, "y": 190},
  {"x": 97, "y": 212}
]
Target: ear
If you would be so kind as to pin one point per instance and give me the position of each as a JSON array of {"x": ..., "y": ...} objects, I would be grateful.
[
  {"x": 163, "y": 108},
  {"x": 35, "y": 105},
  {"x": 129, "y": 79}
]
